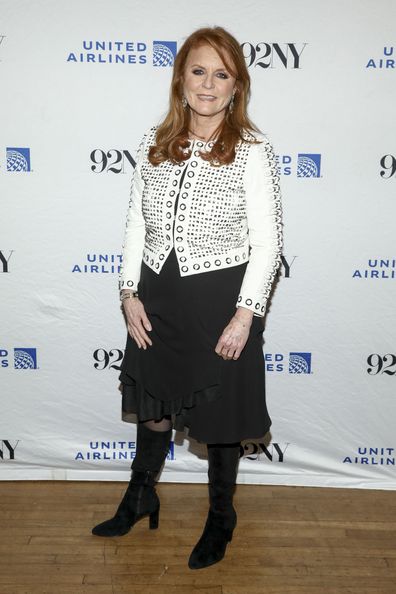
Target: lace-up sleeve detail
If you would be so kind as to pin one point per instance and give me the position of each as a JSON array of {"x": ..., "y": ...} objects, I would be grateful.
[
  {"x": 133, "y": 245},
  {"x": 264, "y": 214}
]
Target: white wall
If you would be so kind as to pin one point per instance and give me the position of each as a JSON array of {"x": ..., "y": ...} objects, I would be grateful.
[{"x": 325, "y": 92}]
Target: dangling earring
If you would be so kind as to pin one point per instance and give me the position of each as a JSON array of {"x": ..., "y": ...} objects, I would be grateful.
[
  {"x": 184, "y": 102},
  {"x": 231, "y": 104}
]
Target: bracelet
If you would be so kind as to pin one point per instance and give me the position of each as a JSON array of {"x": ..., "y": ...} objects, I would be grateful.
[{"x": 128, "y": 295}]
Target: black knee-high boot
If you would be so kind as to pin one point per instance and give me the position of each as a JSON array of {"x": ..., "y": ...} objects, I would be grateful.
[
  {"x": 221, "y": 520},
  {"x": 140, "y": 498}
]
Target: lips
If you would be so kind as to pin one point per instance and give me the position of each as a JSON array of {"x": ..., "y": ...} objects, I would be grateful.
[{"x": 206, "y": 97}]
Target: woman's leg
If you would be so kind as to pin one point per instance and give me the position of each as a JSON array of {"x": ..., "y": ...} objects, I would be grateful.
[
  {"x": 163, "y": 424},
  {"x": 140, "y": 498},
  {"x": 221, "y": 521}
]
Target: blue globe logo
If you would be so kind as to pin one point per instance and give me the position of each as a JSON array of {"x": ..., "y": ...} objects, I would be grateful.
[
  {"x": 162, "y": 55},
  {"x": 16, "y": 161},
  {"x": 307, "y": 167},
  {"x": 298, "y": 364},
  {"x": 22, "y": 360}
]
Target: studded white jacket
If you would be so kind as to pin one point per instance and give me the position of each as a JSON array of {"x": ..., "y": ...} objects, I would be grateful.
[{"x": 224, "y": 216}]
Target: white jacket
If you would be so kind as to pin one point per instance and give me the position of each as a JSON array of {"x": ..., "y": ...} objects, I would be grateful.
[{"x": 224, "y": 216}]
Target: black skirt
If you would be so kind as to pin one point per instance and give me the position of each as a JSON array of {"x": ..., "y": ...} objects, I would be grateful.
[{"x": 181, "y": 374}]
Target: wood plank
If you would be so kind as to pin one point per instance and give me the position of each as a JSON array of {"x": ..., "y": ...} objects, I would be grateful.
[
  {"x": 56, "y": 589},
  {"x": 289, "y": 540}
]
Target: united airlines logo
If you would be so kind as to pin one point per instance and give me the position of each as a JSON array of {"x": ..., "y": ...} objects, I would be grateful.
[
  {"x": 300, "y": 363},
  {"x": 387, "y": 60},
  {"x": 377, "y": 269},
  {"x": 294, "y": 362},
  {"x": 308, "y": 165},
  {"x": 156, "y": 53},
  {"x": 18, "y": 159},
  {"x": 368, "y": 456},
  {"x": 164, "y": 53},
  {"x": 24, "y": 358},
  {"x": 98, "y": 451},
  {"x": 99, "y": 264}
]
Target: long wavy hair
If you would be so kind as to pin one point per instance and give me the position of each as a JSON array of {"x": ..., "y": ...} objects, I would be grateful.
[{"x": 172, "y": 133}]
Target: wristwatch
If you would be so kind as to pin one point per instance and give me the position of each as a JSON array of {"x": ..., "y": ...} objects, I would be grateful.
[{"x": 128, "y": 295}]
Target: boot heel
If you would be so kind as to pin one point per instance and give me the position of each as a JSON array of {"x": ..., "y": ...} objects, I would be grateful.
[{"x": 154, "y": 519}]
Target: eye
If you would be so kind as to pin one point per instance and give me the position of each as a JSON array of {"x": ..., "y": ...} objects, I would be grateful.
[
  {"x": 222, "y": 75},
  {"x": 197, "y": 71}
]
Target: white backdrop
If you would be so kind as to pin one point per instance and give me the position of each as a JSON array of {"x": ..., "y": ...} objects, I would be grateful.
[{"x": 73, "y": 112}]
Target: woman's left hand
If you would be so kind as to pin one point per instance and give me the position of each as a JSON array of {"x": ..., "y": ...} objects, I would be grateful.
[{"x": 235, "y": 335}]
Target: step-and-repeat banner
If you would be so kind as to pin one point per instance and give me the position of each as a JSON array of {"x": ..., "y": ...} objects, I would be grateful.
[{"x": 80, "y": 83}]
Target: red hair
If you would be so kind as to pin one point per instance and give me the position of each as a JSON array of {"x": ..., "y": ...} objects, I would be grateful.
[{"x": 172, "y": 133}]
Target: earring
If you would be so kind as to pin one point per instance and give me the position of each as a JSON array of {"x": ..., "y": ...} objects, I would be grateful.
[
  {"x": 184, "y": 102},
  {"x": 231, "y": 104}
]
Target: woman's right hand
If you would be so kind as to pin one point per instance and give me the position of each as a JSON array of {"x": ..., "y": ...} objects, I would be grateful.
[{"x": 137, "y": 321}]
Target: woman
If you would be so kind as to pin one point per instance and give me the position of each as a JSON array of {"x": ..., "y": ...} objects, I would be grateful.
[{"x": 201, "y": 251}]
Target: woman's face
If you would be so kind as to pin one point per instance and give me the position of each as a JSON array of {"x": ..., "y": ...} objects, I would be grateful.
[{"x": 208, "y": 86}]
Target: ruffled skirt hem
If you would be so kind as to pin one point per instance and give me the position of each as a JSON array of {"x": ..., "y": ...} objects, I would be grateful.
[{"x": 137, "y": 401}]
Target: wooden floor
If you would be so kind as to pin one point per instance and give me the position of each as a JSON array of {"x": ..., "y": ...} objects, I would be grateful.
[{"x": 289, "y": 540}]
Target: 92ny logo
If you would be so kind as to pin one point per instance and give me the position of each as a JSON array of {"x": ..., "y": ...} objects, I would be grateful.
[
  {"x": 112, "y": 160},
  {"x": 108, "y": 359},
  {"x": 379, "y": 364},
  {"x": 270, "y": 55},
  {"x": 7, "y": 450},
  {"x": 5, "y": 260},
  {"x": 388, "y": 164},
  {"x": 274, "y": 452}
]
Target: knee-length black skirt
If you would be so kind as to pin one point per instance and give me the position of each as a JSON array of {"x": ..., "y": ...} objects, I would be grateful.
[{"x": 180, "y": 374}]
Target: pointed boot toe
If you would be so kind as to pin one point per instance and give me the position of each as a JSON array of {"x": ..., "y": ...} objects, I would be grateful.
[
  {"x": 113, "y": 527},
  {"x": 212, "y": 545}
]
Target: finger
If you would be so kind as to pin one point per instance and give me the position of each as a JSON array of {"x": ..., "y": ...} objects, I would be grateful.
[
  {"x": 137, "y": 325},
  {"x": 237, "y": 354},
  {"x": 226, "y": 341},
  {"x": 231, "y": 344},
  {"x": 146, "y": 322},
  {"x": 133, "y": 334},
  {"x": 143, "y": 337},
  {"x": 221, "y": 350},
  {"x": 239, "y": 349},
  {"x": 228, "y": 352},
  {"x": 218, "y": 347},
  {"x": 140, "y": 340}
]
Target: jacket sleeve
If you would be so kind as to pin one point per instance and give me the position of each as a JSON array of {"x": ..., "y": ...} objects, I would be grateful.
[
  {"x": 135, "y": 231},
  {"x": 264, "y": 218}
]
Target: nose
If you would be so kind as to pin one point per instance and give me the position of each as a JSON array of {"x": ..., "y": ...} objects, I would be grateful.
[{"x": 208, "y": 82}]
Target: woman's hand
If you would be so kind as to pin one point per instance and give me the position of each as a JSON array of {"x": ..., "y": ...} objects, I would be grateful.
[
  {"x": 235, "y": 335},
  {"x": 137, "y": 321}
]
